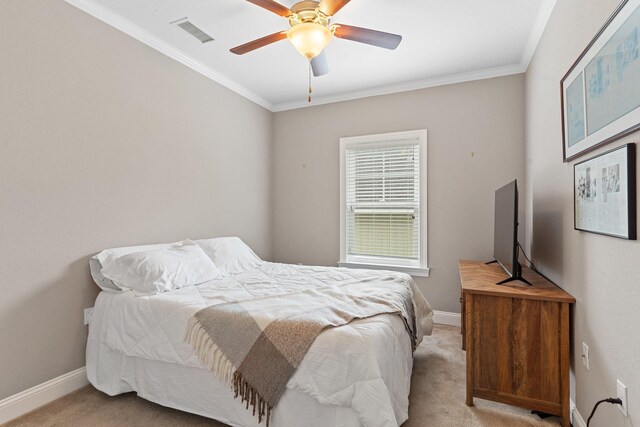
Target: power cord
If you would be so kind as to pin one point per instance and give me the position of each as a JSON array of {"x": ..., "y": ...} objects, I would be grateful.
[
  {"x": 533, "y": 267},
  {"x": 615, "y": 401}
]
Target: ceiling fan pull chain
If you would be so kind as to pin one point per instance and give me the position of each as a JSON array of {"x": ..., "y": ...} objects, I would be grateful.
[{"x": 310, "y": 90}]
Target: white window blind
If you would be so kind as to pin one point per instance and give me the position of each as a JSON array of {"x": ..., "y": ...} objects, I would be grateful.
[{"x": 383, "y": 202}]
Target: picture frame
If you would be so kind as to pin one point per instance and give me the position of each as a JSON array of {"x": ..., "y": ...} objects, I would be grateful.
[
  {"x": 605, "y": 193},
  {"x": 600, "y": 94}
]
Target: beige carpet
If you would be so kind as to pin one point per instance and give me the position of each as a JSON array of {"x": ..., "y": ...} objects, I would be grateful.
[{"x": 437, "y": 399}]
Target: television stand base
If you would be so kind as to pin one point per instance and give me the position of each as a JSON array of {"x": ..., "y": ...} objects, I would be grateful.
[{"x": 512, "y": 279}]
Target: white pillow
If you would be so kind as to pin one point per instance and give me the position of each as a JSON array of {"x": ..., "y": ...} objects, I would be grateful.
[
  {"x": 108, "y": 255},
  {"x": 96, "y": 272},
  {"x": 230, "y": 254},
  {"x": 161, "y": 270}
]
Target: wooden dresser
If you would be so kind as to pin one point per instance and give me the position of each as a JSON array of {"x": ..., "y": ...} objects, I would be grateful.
[{"x": 516, "y": 338}]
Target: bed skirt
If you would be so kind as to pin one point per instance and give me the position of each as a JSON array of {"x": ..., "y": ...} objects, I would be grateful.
[{"x": 198, "y": 391}]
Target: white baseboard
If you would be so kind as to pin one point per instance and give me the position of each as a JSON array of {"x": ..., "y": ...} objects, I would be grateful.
[
  {"x": 447, "y": 318},
  {"x": 28, "y": 400},
  {"x": 576, "y": 418}
]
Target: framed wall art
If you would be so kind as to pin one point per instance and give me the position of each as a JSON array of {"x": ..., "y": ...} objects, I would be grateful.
[
  {"x": 605, "y": 193},
  {"x": 601, "y": 92}
]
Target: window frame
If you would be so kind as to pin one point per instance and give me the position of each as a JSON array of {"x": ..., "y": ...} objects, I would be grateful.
[{"x": 420, "y": 270}]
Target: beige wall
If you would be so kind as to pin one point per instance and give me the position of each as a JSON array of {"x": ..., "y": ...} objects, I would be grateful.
[
  {"x": 475, "y": 145},
  {"x": 105, "y": 142},
  {"x": 601, "y": 272}
]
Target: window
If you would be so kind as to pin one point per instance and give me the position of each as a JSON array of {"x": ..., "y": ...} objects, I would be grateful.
[{"x": 383, "y": 206}]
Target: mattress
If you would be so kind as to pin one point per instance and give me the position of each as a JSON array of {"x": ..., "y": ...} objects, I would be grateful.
[{"x": 354, "y": 375}]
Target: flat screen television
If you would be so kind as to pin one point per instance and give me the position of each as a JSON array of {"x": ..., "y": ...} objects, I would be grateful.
[{"x": 505, "y": 232}]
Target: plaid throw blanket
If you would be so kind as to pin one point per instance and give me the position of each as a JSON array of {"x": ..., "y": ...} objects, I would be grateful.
[{"x": 256, "y": 345}]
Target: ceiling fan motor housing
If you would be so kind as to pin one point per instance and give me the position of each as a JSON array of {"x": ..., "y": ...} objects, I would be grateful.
[{"x": 307, "y": 12}]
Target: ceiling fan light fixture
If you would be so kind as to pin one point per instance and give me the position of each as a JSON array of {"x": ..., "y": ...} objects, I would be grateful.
[{"x": 309, "y": 38}]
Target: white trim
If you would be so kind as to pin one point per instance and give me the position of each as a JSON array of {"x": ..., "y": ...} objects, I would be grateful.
[
  {"x": 108, "y": 17},
  {"x": 576, "y": 418},
  {"x": 470, "y": 76},
  {"x": 28, "y": 400},
  {"x": 412, "y": 271},
  {"x": 133, "y": 30},
  {"x": 546, "y": 8},
  {"x": 421, "y": 135},
  {"x": 447, "y": 318},
  {"x": 343, "y": 205}
]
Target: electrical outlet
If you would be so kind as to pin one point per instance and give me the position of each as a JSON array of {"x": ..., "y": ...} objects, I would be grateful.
[
  {"x": 585, "y": 355},
  {"x": 88, "y": 312},
  {"x": 622, "y": 395}
]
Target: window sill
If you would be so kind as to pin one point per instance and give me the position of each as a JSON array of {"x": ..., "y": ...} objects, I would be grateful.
[{"x": 412, "y": 271}]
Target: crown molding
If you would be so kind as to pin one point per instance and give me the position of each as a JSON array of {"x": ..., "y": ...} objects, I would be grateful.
[
  {"x": 105, "y": 15},
  {"x": 546, "y": 8},
  {"x": 108, "y": 17},
  {"x": 487, "y": 73},
  {"x": 539, "y": 25}
]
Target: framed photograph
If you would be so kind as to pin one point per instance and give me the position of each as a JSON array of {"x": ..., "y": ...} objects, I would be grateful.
[
  {"x": 605, "y": 193},
  {"x": 601, "y": 92}
]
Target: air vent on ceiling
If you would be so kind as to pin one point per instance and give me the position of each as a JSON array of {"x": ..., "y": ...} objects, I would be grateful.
[{"x": 193, "y": 30}]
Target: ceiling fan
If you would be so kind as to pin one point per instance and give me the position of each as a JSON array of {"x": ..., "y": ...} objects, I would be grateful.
[{"x": 311, "y": 31}]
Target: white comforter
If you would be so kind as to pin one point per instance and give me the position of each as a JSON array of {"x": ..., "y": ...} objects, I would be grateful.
[{"x": 365, "y": 365}]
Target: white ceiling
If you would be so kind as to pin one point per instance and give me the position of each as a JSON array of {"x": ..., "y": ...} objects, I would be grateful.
[{"x": 444, "y": 41}]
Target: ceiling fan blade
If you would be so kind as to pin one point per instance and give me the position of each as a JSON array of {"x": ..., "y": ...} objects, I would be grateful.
[
  {"x": 364, "y": 35},
  {"x": 320, "y": 65},
  {"x": 258, "y": 43},
  {"x": 272, "y": 6},
  {"x": 331, "y": 7}
]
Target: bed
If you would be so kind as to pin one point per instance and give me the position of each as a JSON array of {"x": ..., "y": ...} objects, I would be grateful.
[{"x": 354, "y": 375}]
